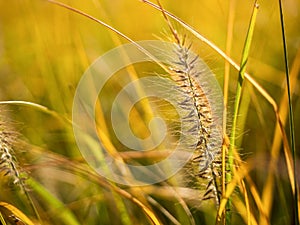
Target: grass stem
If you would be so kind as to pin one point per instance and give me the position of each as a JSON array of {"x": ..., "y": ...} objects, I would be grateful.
[
  {"x": 242, "y": 70},
  {"x": 291, "y": 119}
]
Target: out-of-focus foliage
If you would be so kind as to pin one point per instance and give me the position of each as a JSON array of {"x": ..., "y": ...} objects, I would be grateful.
[{"x": 45, "y": 49}]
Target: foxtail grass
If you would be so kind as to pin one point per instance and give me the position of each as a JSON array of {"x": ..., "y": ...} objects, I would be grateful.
[{"x": 254, "y": 183}]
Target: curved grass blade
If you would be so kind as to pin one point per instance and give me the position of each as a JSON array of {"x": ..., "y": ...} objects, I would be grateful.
[
  {"x": 259, "y": 88},
  {"x": 14, "y": 214},
  {"x": 38, "y": 107}
]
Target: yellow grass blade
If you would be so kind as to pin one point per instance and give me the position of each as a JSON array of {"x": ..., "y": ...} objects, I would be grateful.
[
  {"x": 15, "y": 214},
  {"x": 279, "y": 137}
]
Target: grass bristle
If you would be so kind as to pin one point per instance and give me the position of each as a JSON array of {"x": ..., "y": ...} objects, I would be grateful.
[
  {"x": 185, "y": 71},
  {"x": 45, "y": 47},
  {"x": 8, "y": 163}
]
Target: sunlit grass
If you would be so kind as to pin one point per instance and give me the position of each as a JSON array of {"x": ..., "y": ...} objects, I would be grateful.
[{"x": 45, "y": 49}]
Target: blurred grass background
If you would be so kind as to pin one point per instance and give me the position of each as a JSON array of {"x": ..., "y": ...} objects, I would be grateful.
[{"x": 44, "y": 50}]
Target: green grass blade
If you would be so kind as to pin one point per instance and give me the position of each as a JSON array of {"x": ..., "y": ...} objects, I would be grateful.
[
  {"x": 243, "y": 64},
  {"x": 65, "y": 215},
  {"x": 291, "y": 119}
]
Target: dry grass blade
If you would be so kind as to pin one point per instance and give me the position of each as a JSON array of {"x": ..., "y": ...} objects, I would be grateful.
[
  {"x": 85, "y": 172},
  {"x": 14, "y": 214},
  {"x": 226, "y": 92},
  {"x": 267, "y": 196},
  {"x": 39, "y": 108},
  {"x": 164, "y": 211},
  {"x": 248, "y": 213},
  {"x": 110, "y": 28},
  {"x": 56, "y": 41},
  {"x": 247, "y": 216},
  {"x": 280, "y": 132},
  {"x": 260, "y": 89},
  {"x": 238, "y": 176},
  {"x": 229, "y": 38},
  {"x": 254, "y": 192}
]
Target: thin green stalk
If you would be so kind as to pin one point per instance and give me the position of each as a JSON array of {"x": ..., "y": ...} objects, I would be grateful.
[
  {"x": 291, "y": 119},
  {"x": 237, "y": 103}
]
